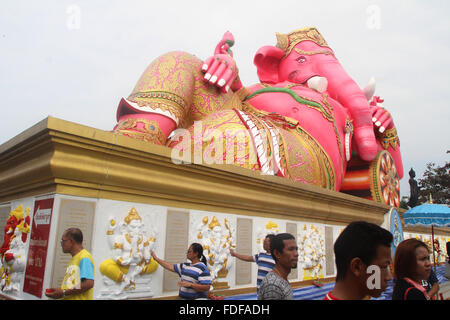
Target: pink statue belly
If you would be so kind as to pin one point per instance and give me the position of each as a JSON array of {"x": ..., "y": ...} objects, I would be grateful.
[{"x": 328, "y": 131}]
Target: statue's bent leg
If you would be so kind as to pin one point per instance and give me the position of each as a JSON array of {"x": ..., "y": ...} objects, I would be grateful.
[
  {"x": 112, "y": 270},
  {"x": 149, "y": 267},
  {"x": 171, "y": 93}
]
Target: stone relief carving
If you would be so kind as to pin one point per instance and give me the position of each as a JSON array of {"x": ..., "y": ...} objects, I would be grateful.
[
  {"x": 131, "y": 242},
  {"x": 311, "y": 247},
  {"x": 216, "y": 238},
  {"x": 13, "y": 251}
]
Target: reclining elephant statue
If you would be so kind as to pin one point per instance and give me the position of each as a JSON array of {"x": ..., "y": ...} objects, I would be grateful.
[{"x": 307, "y": 120}]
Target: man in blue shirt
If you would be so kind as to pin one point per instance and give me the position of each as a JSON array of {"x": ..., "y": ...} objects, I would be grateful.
[{"x": 264, "y": 260}]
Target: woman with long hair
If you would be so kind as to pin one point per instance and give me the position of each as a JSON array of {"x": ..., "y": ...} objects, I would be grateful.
[
  {"x": 411, "y": 266},
  {"x": 195, "y": 275}
]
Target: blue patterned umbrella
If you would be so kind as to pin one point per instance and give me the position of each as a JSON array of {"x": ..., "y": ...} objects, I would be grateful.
[{"x": 428, "y": 214}]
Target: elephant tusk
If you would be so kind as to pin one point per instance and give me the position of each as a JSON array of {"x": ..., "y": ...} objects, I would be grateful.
[
  {"x": 347, "y": 146},
  {"x": 320, "y": 84},
  {"x": 348, "y": 129},
  {"x": 369, "y": 90}
]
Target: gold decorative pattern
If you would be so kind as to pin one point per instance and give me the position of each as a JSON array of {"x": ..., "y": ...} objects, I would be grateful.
[
  {"x": 214, "y": 223},
  {"x": 118, "y": 245},
  {"x": 321, "y": 171},
  {"x": 389, "y": 138},
  {"x": 142, "y": 129},
  {"x": 132, "y": 215},
  {"x": 161, "y": 100},
  {"x": 287, "y": 42},
  {"x": 310, "y": 53},
  {"x": 173, "y": 84}
]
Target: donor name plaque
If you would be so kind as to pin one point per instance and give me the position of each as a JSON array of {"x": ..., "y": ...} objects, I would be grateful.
[
  {"x": 243, "y": 246},
  {"x": 177, "y": 244}
]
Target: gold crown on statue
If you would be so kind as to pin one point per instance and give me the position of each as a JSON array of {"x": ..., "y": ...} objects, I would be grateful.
[
  {"x": 214, "y": 223},
  {"x": 132, "y": 215},
  {"x": 287, "y": 42}
]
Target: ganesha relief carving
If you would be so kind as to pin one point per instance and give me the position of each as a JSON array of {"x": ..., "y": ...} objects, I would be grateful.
[
  {"x": 217, "y": 237},
  {"x": 131, "y": 242},
  {"x": 311, "y": 247}
]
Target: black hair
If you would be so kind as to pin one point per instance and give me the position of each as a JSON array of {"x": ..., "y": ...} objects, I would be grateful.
[
  {"x": 405, "y": 261},
  {"x": 360, "y": 239},
  {"x": 270, "y": 236},
  {"x": 198, "y": 249},
  {"x": 277, "y": 243},
  {"x": 75, "y": 234}
]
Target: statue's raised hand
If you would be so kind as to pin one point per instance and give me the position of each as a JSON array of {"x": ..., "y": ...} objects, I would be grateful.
[
  {"x": 381, "y": 117},
  {"x": 220, "y": 69}
]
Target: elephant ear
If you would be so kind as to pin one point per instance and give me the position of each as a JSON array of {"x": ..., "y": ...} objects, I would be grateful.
[{"x": 267, "y": 61}]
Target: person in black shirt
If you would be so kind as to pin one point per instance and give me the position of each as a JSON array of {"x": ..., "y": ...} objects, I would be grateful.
[{"x": 411, "y": 266}]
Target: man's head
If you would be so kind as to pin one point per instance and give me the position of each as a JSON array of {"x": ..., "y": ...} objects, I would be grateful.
[
  {"x": 283, "y": 248},
  {"x": 266, "y": 243},
  {"x": 71, "y": 240},
  {"x": 361, "y": 245}
]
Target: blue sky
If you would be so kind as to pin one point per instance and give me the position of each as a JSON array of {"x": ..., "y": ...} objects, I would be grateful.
[{"x": 74, "y": 60}]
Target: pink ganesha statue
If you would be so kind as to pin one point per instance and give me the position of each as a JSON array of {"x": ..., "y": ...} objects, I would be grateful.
[{"x": 307, "y": 120}]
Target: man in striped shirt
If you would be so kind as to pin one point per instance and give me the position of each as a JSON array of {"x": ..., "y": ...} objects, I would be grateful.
[{"x": 264, "y": 260}]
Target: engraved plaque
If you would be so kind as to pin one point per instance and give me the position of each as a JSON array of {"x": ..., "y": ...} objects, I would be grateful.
[
  {"x": 244, "y": 241},
  {"x": 329, "y": 252},
  {"x": 292, "y": 229},
  {"x": 177, "y": 244},
  {"x": 72, "y": 214}
]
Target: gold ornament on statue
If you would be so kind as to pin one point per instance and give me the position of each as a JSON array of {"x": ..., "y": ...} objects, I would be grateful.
[
  {"x": 287, "y": 42},
  {"x": 132, "y": 215},
  {"x": 214, "y": 223}
]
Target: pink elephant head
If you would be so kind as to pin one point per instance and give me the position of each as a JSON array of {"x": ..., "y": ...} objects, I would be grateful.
[{"x": 304, "y": 54}]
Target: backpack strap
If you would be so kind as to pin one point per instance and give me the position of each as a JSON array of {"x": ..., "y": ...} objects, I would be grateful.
[{"x": 406, "y": 292}]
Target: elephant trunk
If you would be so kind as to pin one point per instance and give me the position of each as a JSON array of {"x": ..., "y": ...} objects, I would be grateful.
[{"x": 342, "y": 88}]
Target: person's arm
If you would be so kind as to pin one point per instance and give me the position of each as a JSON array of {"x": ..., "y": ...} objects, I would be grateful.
[
  {"x": 87, "y": 282},
  {"x": 166, "y": 265},
  {"x": 434, "y": 289},
  {"x": 242, "y": 257},
  {"x": 58, "y": 293},
  {"x": 195, "y": 286}
]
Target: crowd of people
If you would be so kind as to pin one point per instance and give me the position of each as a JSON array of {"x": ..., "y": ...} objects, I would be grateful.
[{"x": 362, "y": 255}]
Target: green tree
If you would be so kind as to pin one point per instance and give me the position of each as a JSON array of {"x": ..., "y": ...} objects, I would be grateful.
[
  {"x": 435, "y": 181},
  {"x": 404, "y": 202}
]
